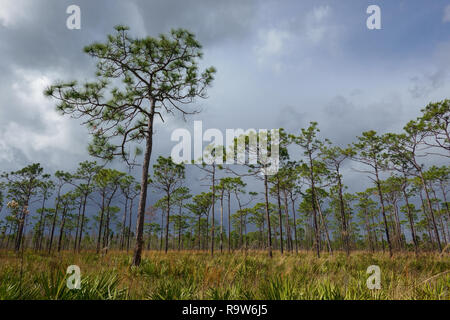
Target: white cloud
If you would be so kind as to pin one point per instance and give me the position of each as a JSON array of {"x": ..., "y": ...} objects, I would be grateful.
[
  {"x": 297, "y": 38},
  {"x": 56, "y": 133},
  {"x": 6, "y": 153},
  {"x": 273, "y": 42},
  {"x": 12, "y": 12},
  {"x": 316, "y": 26}
]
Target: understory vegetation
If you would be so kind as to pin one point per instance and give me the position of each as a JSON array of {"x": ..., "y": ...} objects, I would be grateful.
[{"x": 238, "y": 275}]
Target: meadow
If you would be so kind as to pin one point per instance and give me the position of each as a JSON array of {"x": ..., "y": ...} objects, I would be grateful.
[{"x": 239, "y": 275}]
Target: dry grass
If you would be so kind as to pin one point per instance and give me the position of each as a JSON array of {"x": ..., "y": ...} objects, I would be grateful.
[{"x": 251, "y": 275}]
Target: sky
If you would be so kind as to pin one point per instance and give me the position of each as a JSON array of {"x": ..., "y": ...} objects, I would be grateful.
[{"x": 279, "y": 64}]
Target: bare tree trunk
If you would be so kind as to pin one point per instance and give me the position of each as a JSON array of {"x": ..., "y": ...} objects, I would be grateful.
[
  {"x": 129, "y": 225},
  {"x": 269, "y": 235},
  {"x": 206, "y": 242},
  {"x": 124, "y": 221},
  {"x": 213, "y": 203},
  {"x": 375, "y": 232},
  {"x": 369, "y": 237},
  {"x": 280, "y": 215},
  {"x": 107, "y": 232},
  {"x": 397, "y": 224},
  {"x": 430, "y": 207},
  {"x": 313, "y": 201},
  {"x": 161, "y": 231},
  {"x": 229, "y": 222},
  {"x": 61, "y": 232},
  {"x": 20, "y": 228},
  {"x": 221, "y": 221},
  {"x": 167, "y": 222},
  {"x": 428, "y": 225},
  {"x": 199, "y": 232},
  {"x": 41, "y": 239},
  {"x": 330, "y": 249},
  {"x": 440, "y": 216},
  {"x": 383, "y": 211},
  {"x": 80, "y": 237},
  {"x": 78, "y": 224},
  {"x": 179, "y": 239},
  {"x": 343, "y": 217},
  {"x": 144, "y": 185},
  {"x": 245, "y": 233},
  {"x": 179, "y": 229},
  {"x": 101, "y": 223},
  {"x": 411, "y": 222},
  {"x": 241, "y": 230},
  {"x": 52, "y": 232},
  {"x": 287, "y": 228},
  {"x": 41, "y": 230},
  {"x": 295, "y": 224}
]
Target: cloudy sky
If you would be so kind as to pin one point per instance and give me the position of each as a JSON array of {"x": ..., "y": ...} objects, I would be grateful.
[{"x": 280, "y": 64}]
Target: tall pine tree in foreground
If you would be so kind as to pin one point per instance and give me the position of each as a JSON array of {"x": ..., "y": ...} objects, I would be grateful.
[{"x": 137, "y": 79}]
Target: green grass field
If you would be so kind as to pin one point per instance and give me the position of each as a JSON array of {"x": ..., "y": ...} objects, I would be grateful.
[{"x": 195, "y": 275}]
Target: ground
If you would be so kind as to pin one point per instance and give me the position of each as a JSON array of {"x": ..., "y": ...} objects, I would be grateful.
[{"x": 238, "y": 275}]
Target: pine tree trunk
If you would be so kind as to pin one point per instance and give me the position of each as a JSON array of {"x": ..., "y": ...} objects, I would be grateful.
[
  {"x": 52, "y": 232},
  {"x": 430, "y": 207},
  {"x": 124, "y": 221},
  {"x": 80, "y": 237},
  {"x": 78, "y": 224},
  {"x": 41, "y": 239},
  {"x": 144, "y": 184},
  {"x": 20, "y": 227},
  {"x": 295, "y": 225},
  {"x": 167, "y": 223},
  {"x": 199, "y": 231},
  {"x": 280, "y": 218},
  {"x": 221, "y": 221},
  {"x": 313, "y": 201},
  {"x": 100, "y": 227},
  {"x": 61, "y": 232},
  {"x": 440, "y": 216},
  {"x": 287, "y": 227},
  {"x": 41, "y": 230},
  {"x": 383, "y": 211},
  {"x": 129, "y": 225},
  {"x": 343, "y": 217},
  {"x": 213, "y": 203},
  {"x": 269, "y": 235},
  {"x": 327, "y": 236},
  {"x": 229, "y": 221},
  {"x": 411, "y": 222}
]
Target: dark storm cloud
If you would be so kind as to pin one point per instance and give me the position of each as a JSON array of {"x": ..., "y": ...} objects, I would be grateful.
[
  {"x": 42, "y": 39},
  {"x": 36, "y": 49},
  {"x": 279, "y": 64},
  {"x": 349, "y": 119},
  {"x": 212, "y": 21}
]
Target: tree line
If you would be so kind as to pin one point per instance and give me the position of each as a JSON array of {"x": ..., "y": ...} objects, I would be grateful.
[{"x": 304, "y": 206}]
